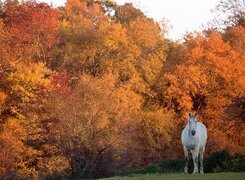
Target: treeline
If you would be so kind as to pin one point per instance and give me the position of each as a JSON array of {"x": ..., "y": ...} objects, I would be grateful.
[{"x": 94, "y": 88}]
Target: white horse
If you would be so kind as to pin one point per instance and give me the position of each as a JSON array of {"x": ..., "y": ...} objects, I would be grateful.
[{"x": 194, "y": 138}]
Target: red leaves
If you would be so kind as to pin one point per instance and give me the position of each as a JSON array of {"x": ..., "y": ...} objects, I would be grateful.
[
  {"x": 61, "y": 83},
  {"x": 33, "y": 28}
]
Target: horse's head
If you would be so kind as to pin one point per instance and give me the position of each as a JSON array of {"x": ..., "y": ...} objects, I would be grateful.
[{"x": 192, "y": 124}]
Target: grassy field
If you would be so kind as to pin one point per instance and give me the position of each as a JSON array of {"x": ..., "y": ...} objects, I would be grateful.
[{"x": 209, "y": 176}]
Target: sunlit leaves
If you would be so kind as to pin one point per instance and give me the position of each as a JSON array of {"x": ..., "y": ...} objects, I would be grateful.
[
  {"x": 13, "y": 150},
  {"x": 208, "y": 80},
  {"x": 33, "y": 30},
  {"x": 91, "y": 118},
  {"x": 94, "y": 87},
  {"x": 28, "y": 86}
]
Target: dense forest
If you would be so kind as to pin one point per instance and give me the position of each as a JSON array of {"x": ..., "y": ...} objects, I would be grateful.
[{"x": 95, "y": 88}]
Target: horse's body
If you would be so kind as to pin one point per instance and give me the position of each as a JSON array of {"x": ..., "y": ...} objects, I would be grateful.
[{"x": 194, "y": 138}]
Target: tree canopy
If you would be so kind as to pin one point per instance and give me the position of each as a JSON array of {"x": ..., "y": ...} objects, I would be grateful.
[{"x": 95, "y": 88}]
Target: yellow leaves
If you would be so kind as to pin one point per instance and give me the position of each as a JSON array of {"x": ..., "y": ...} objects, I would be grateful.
[
  {"x": 3, "y": 33},
  {"x": 145, "y": 32},
  {"x": 12, "y": 137},
  {"x": 151, "y": 66},
  {"x": 95, "y": 114},
  {"x": 3, "y": 97},
  {"x": 27, "y": 85},
  {"x": 93, "y": 43},
  {"x": 54, "y": 165},
  {"x": 82, "y": 19},
  {"x": 157, "y": 128},
  {"x": 28, "y": 80},
  {"x": 126, "y": 105},
  {"x": 115, "y": 36},
  {"x": 13, "y": 130}
]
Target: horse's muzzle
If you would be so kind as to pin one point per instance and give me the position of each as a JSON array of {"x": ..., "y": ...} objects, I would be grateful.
[{"x": 193, "y": 132}]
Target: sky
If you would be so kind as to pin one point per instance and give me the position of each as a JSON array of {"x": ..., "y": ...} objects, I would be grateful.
[{"x": 182, "y": 15}]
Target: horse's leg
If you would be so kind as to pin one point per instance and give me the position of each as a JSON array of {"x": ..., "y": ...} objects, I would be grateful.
[
  {"x": 201, "y": 159},
  {"x": 186, "y": 160},
  {"x": 195, "y": 160}
]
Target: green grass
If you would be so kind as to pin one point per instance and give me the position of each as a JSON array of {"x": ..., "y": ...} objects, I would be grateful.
[{"x": 209, "y": 176}]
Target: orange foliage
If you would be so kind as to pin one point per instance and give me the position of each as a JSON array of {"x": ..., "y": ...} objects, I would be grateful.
[
  {"x": 93, "y": 88},
  {"x": 209, "y": 79}
]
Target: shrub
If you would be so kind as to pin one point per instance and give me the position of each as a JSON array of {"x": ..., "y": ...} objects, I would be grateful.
[
  {"x": 223, "y": 162},
  {"x": 217, "y": 162}
]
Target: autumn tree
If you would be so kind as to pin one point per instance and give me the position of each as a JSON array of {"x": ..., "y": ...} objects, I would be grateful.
[
  {"x": 23, "y": 83},
  {"x": 208, "y": 81},
  {"x": 90, "y": 122},
  {"x": 95, "y": 87},
  {"x": 91, "y": 45},
  {"x": 33, "y": 30},
  {"x": 126, "y": 47}
]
